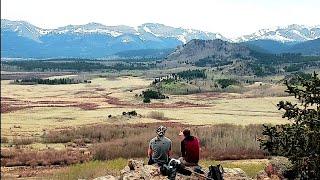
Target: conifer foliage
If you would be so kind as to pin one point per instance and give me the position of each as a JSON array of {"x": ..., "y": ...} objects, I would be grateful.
[{"x": 299, "y": 140}]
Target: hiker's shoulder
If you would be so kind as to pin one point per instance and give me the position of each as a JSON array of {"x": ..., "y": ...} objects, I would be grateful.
[
  {"x": 153, "y": 139},
  {"x": 167, "y": 139}
]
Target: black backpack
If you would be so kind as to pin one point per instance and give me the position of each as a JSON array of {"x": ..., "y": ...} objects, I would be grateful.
[
  {"x": 172, "y": 169},
  {"x": 215, "y": 172}
]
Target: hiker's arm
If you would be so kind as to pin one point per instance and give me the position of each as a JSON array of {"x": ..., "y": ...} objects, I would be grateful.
[
  {"x": 169, "y": 152},
  {"x": 183, "y": 151},
  {"x": 200, "y": 149},
  {"x": 149, "y": 152}
]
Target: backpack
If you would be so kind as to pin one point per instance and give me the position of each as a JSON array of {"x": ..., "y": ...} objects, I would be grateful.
[
  {"x": 215, "y": 172},
  {"x": 168, "y": 171}
]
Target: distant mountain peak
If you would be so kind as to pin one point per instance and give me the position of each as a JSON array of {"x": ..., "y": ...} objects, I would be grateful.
[
  {"x": 92, "y": 39},
  {"x": 20, "y": 38},
  {"x": 290, "y": 33}
]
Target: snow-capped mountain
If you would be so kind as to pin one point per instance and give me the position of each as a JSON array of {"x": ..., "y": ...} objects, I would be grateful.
[
  {"x": 23, "y": 29},
  {"x": 144, "y": 31},
  {"x": 26, "y": 29},
  {"x": 19, "y": 38},
  {"x": 291, "y": 33},
  {"x": 184, "y": 35},
  {"x": 94, "y": 40},
  {"x": 90, "y": 28}
]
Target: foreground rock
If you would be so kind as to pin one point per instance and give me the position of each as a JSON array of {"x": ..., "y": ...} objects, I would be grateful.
[
  {"x": 137, "y": 170},
  {"x": 277, "y": 169}
]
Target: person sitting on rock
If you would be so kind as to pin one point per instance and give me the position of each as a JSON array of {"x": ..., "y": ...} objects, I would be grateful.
[
  {"x": 159, "y": 149},
  {"x": 190, "y": 149}
]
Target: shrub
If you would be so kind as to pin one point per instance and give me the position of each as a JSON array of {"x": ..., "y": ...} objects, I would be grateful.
[
  {"x": 152, "y": 94},
  {"x": 156, "y": 115},
  {"x": 146, "y": 100},
  {"x": 227, "y": 82},
  {"x": 22, "y": 141},
  {"x": 132, "y": 113},
  {"x": 63, "y": 136},
  {"x": 4, "y": 140}
]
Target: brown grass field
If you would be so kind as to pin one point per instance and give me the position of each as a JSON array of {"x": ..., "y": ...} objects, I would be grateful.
[
  {"x": 35, "y": 108},
  {"x": 42, "y": 122}
]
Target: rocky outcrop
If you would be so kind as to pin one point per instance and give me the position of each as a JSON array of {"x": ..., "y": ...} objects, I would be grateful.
[
  {"x": 136, "y": 170},
  {"x": 277, "y": 169}
]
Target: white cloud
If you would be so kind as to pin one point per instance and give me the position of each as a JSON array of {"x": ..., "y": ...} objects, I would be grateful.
[{"x": 229, "y": 17}]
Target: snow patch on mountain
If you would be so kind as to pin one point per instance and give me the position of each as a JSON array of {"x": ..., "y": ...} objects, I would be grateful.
[{"x": 291, "y": 33}]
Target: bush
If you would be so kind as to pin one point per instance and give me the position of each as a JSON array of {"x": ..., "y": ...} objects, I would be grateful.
[
  {"x": 4, "y": 140},
  {"x": 146, "y": 100},
  {"x": 156, "y": 115},
  {"x": 132, "y": 113},
  {"x": 22, "y": 141},
  {"x": 227, "y": 82},
  {"x": 153, "y": 94}
]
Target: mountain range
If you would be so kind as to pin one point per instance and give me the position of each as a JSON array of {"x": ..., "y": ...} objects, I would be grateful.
[{"x": 94, "y": 40}]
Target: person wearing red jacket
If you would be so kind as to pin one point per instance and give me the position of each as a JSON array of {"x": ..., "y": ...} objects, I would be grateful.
[{"x": 190, "y": 149}]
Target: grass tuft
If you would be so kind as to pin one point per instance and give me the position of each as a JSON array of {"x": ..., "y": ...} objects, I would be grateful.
[{"x": 92, "y": 169}]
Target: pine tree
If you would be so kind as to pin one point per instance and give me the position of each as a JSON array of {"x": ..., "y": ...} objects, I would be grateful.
[{"x": 299, "y": 140}]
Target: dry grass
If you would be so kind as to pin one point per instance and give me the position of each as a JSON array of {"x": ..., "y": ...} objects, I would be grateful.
[
  {"x": 4, "y": 140},
  {"x": 219, "y": 142},
  {"x": 91, "y": 170},
  {"x": 222, "y": 125},
  {"x": 21, "y": 157},
  {"x": 61, "y": 106},
  {"x": 23, "y": 141},
  {"x": 250, "y": 167}
]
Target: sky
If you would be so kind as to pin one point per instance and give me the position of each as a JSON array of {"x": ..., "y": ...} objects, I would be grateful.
[{"x": 231, "y": 18}]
